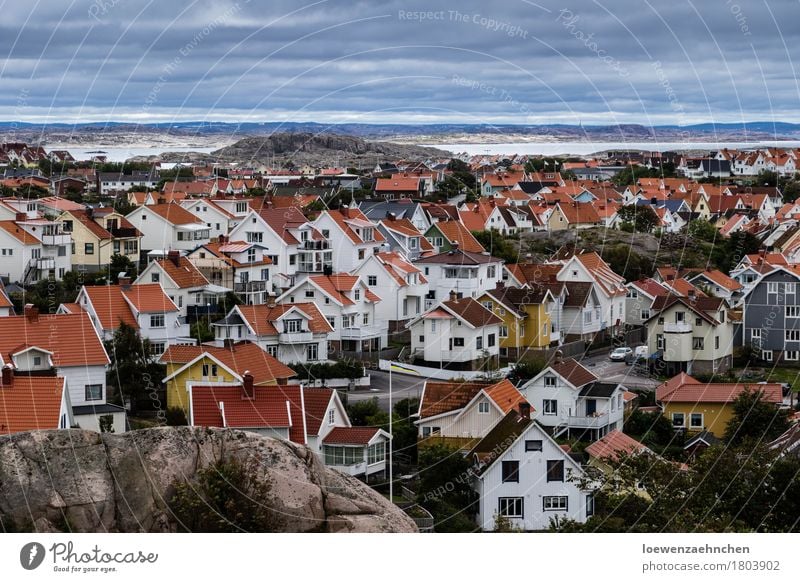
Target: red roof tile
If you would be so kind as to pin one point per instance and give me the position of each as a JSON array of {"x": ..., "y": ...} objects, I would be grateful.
[
  {"x": 317, "y": 401},
  {"x": 613, "y": 445},
  {"x": 239, "y": 357},
  {"x": 261, "y": 317},
  {"x": 31, "y": 403},
  {"x": 354, "y": 435},
  {"x": 71, "y": 337}
]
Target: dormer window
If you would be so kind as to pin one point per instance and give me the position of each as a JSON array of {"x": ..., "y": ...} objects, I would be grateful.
[
  {"x": 357, "y": 294},
  {"x": 550, "y": 381},
  {"x": 293, "y": 325}
]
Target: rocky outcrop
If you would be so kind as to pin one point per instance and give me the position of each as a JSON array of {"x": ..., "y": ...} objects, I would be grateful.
[
  {"x": 309, "y": 148},
  {"x": 83, "y": 481}
]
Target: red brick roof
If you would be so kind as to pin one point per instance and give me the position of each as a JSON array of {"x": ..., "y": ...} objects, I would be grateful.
[
  {"x": 340, "y": 217},
  {"x": 261, "y": 317},
  {"x": 184, "y": 274},
  {"x": 239, "y": 357},
  {"x": 613, "y": 445},
  {"x": 684, "y": 388},
  {"x": 354, "y": 435},
  {"x": 317, "y": 401},
  {"x": 336, "y": 285},
  {"x": 454, "y": 231},
  {"x": 31, "y": 403},
  {"x": 573, "y": 372},
  {"x": 174, "y": 213},
  {"x": 71, "y": 337}
]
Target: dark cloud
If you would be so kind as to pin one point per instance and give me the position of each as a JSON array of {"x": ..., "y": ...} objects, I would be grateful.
[{"x": 511, "y": 61}]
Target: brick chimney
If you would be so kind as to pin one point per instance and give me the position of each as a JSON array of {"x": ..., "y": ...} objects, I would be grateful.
[
  {"x": 175, "y": 257},
  {"x": 7, "y": 380},
  {"x": 525, "y": 410},
  {"x": 453, "y": 295},
  {"x": 124, "y": 281},
  {"x": 31, "y": 312},
  {"x": 247, "y": 386},
  {"x": 500, "y": 285},
  {"x": 390, "y": 216},
  {"x": 222, "y": 239},
  {"x": 691, "y": 294}
]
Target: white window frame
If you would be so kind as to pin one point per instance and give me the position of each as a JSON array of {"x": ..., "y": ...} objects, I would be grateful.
[
  {"x": 692, "y": 416},
  {"x": 674, "y": 417},
  {"x": 549, "y": 406},
  {"x": 483, "y": 407},
  {"x": 512, "y": 507},
  {"x": 555, "y": 503},
  {"x": 766, "y": 355},
  {"x": 792, "y": 311},
  {"x": 791, "y": 355}
]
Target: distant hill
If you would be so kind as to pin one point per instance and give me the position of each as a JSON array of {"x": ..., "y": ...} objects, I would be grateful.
[{"x": 342, "y": 150}]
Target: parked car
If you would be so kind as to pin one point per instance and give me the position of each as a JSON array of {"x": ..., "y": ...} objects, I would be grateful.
[{"x": 619, "y": 354}]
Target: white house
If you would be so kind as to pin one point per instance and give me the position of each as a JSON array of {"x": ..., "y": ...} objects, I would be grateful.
[
  {"x": 218, "y": 220},
  {"x": 238, "y": 265},
  {"x": 523, "y": 475},
  {"x": 353, "y": 237},
  {"x": 571, "y": 400},
  {"x": 459, "y": 332},
  {"x": 291, "y": 333},
  {"x": 166, "y": 227},
  {"x": 468, "y": 274},
  {"x": 34, "y": 249},
  {"x": 390, "y": 275},
  {"x": 350, "y": 307}
]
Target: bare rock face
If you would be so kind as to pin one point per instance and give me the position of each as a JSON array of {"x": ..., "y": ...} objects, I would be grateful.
[{"x": 81, "y": 481}]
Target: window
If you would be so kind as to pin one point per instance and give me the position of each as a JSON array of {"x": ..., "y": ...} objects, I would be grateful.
[
  {"x": 696, "y": 420},
  {"x": 312, "y": 353},
  {"x": 766, "y": 355},
  {"x": 491, "y": 271},
  {"x": 533, "y": 446},
  {"x": 645, "y": 314},
  {"x": 555, "y": 470},
  {"x": 209, "y": 370},
  {"x": 479, "y": 343},
  {"x": 792, "y": 335},
  {"x": 589, "y": 505},
  {"x": 697, "y": 343},
  {"x": 335, "y": 455},
  {"x": 503, "y": 331},
  {"x": 422, "y": 339},
  {"x": 357, "y": 294},
  {"x": 272, "y": 351},
  {"x": 660, "y": 321},
  {"x": 698, "y": 321},
  {"x": 550, "y": 406},
  {"x": 510, "y": 506},
  {"x": 365, "y": 318},
  {"x": 157, "y": 320},
  {"x": 458, "y": 342},
  {"x": 483, "y": 407},
  {"x": 792, "y": 311},
  {"x": 791, "y": 355},
  {"x": 755, "y": 333},
  {"x": 332, "y": 321},
  {"x": 429, "y": 430},
  {"x": 659, "y": 341},
  {"x": 331, "y": 416},
  {"x": 157, "y": 348},
  {"x": 292, "y": 259},
  {"x": 372, "y": 280},
  {"x": 310, "y": 293},
  {"x": 326, "y": 233},
  {"x": 510, "y": 471},
  {"x": 376, "y": 453},
  {"x": 550, "y": 381},
  {"x": 94, "y": 391},
  {"x": 88, "y": 248},
  {"x": 678, "y": 420},
  {"x": 790, "y": 288},
  {"x": 155, "y": 277},
  {"x": 555, "y": 503},
  {"x": 254, "y": 237},
  {"x": 360, "y": 254},
  {"x": 490, "y": 340},
  {"x": 487, "y": 305},
  {"x": 633, "y": 293},
  {"x": 37, "y": 361}
]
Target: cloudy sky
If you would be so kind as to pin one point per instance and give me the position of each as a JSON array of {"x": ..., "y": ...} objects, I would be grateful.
[{"x": 513, "y": 61}]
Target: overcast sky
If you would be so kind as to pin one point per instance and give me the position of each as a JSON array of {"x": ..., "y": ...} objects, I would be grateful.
[{"x": 509, "y": 61}]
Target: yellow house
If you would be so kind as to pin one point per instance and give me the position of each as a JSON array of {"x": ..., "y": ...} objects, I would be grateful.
[
  {"x": 526, "y": 315},
  {"x": 189, "y": 366},
  {"x": 98, "y": 234},
  {"x": 694, "y": 406}
]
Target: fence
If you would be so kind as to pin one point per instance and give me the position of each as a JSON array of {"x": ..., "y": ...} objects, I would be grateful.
[{"x": 440, "y": 373}]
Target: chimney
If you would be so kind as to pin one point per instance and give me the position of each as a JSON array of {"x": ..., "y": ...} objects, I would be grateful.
[
  {"x": 8, "y": 376},
  {"x": 124, "y": 281},
  {"x": 525, "y": 410},
  {"x": 21, "y": 217},
  {"x": 762, "y": 252},
  {"x": 390, "y": 216},
  {"x": 453, "y": 295},
  {"x": 454, "y": 245},
  {"x": 500, "y": 285},
  {"x": 691, "y": 294},
  {"x": 31, "y": 312},
  {"x": 654, "y": 201},
  {"x": 222, "y": 239},
  {"x": 247, "y": 385},
  {"x": 175, "y": 257}
]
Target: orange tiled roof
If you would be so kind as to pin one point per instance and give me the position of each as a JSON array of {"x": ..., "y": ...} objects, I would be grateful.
[
  {"x": 239, "y": 357},
  {"x": 184, "y": 274},
  {"x": 174, "y": 213},
  {"x": 21, "y": 235},
  {"x": 684, "y": 388},
  {"x": 613, "y": 445},
  {"x": 454, "y": 231},
  {"x": 31, "y": 403},
  {"x": 261, "y": 317}
]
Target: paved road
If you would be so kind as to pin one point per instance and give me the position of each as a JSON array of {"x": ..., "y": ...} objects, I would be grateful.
[
  {"x": 609, "y": 371},
  {"x": 403, "y": 386}
]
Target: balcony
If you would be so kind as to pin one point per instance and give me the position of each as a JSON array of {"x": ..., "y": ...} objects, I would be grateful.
[
  {"x": 43, "y": 264},
  {"x": 251, "y": 287},
  {"x": 594, "y": 421},
  {"x": 295, "y": 337},
  {"x": 56, "y": 239},
  {"x": 360, "y": 333},
  {"x": 315, "y": 245},
  {"x": 681, "y": 327},
  {"x": 124, "y": 232},
  {"x": 312, "y": 267}
]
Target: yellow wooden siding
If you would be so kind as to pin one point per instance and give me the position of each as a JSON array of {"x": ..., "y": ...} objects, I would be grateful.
[{"x": 715, "y": 415}]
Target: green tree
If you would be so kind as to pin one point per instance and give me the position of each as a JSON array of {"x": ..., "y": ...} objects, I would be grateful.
[
  {"x": 791, "y": 191},
  {"x": 642, "y": 218},
  {"x": 498, "y": 245},
  {"x": 703, "y": 230},
  {"x": 767, "y": 178},
  {"x": 227, "y": 496},
  {"x": 121, "y": 264},
  {"x": 359, "y": 412},
  {"x": 445, "y": 488},
  {"x": 131, "y": 370},
  {"x": 755, "y": 418}
]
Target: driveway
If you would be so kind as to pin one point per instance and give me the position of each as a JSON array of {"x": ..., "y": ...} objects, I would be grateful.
[
  {"x": 403, "y": 386},
  {"x": 618, "y": 372}
]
